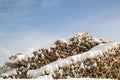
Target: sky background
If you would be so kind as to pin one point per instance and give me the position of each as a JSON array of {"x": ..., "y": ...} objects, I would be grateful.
[{"x": 26, "y": 25}]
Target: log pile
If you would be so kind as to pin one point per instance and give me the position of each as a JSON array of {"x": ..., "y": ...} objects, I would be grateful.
[
  {"x": 107, "y": 66},
  {"x": 77, "y": 44}
]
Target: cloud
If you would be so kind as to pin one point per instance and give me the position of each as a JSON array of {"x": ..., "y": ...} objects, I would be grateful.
[
  {"x": 15, "y": 7},
  {"x": 25, "y": 41},
  {"x": 18, "y": 9},
  {"x": 26, "y": 3},
  {"x": 104, "y": 23},
  {"x": 14, "y": 3},
  {"x": 50, "y": 3}
]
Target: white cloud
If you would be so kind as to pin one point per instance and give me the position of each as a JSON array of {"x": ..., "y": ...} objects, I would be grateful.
[
  {"x": 50, "y": 3},
  {"x": 105, "y": 23},
  {"x": 26, "y": 41},
  {"x": 15, "y": 8},
  {"x": 25, "y": 3},
  {"x": 16, "y": 2}
]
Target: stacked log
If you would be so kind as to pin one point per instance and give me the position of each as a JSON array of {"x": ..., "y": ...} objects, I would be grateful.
[
  {"x": 107, "y": 66},
  {"x": 77, "y": 44}
]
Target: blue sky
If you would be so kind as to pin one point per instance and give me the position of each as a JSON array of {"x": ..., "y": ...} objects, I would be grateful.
[{"x": 26, "y": 25}]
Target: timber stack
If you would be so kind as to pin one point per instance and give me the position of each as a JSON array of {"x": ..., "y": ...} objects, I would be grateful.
[{"x": 99, "y": 64}]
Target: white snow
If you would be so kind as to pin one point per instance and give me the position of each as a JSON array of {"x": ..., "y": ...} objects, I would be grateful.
[
  {"x": 95, "y": 64},
  {"x": 1, "y": 78},
  {"x": 63, "y": 40},
  {"x": 42, "y": 55},
  {"x": 44, "y": 77},
  {"x": 53, "y": 45},
  {"x": 96, "y": 40},
  {"x": 96, "y": 51},
  {"x": 13, "y": 71},
  {"x": 82, "y": 65},
  {"x": 89, "y": 79},
  {"x": 19, "y": 57},
  {"x": 80, "y": 34},
  {"x": 60, "y": 71}
]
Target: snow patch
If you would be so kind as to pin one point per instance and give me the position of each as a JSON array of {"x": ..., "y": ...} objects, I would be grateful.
[
  {"x": 19, "y": 57},
  {"x": 82, "y": 66},
  {"x": 13, "y": 71},
  {"x": 89, "y": 79},
  {"x": 95, "y": 64}
]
